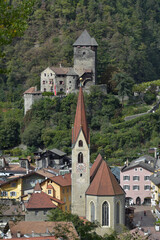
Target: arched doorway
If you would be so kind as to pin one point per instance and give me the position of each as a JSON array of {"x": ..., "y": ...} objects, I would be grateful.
[
  {"x": 147, "y": 201},
  {"x": 138, "y": 201}
]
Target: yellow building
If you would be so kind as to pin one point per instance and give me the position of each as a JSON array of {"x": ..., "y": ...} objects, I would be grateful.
[
  {"x": 155, "y": 188},
  {"x": 11, "y": 189},
  {"x": 59, "y": 187},
  {"x": 22, "y": 185}
]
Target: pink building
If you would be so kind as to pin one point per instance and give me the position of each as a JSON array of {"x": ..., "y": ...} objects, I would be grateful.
[{"x": 134, "y": 179}]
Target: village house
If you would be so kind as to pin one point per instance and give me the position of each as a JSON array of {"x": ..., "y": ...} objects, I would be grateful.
[
  {"x": 59, "y": 187},
  {"x": 135, "y": 180},
  {"x": 39, "y": 205},
  {"x": 53, "y": 158},
  {"x": 17, "y": 187}
]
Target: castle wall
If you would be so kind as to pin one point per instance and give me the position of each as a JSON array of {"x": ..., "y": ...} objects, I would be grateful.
[
  {"x": 71, "y": 83},
  {"x": 84, "y": 59},
  {"x": 29, "y": 99}
]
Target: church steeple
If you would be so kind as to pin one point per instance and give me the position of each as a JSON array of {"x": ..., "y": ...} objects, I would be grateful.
[
  {"x": 80, "y": 158},
  {"x": 80, "y": 120}
]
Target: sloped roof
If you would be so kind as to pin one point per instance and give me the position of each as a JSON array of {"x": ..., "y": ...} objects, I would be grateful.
[
  {"x": 58, "y": 152},
  {"x": 31, "y": 90},
  {"x": 138, "y": 164},
  {"x": 59, "y": 70},
  {"x": 80, "y": 121},
  {"x": 37, "y": 238},
  {"x": 95, "y": 166},
  {"x": 37, "y": 187},
  {"x": 40, "y": 201},
  {"x": 104, "y": 183},
  {"x": 71, "y": 72},
  {"x": 63, "y": 181},
  {"x": 155, "y": 178},
  {"x": 41, "y": 228},
  {"x": 85, "y": 40},
  {"x": 12, "y": 210}
]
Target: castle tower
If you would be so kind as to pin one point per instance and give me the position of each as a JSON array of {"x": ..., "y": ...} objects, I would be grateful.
[
  {"x": 85, "y": 58},
  {"x": 80, "y": 158}
]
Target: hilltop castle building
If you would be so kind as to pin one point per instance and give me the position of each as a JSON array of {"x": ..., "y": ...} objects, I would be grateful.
[
  {"x": 66, "y": 80},
  {"x": 96, "y": 194}
]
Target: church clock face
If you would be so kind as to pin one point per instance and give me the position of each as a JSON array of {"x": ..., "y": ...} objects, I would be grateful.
[{"x": 81, "y": 167}]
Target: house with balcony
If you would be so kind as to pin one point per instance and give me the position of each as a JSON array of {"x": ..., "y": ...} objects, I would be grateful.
[{"x": 135, "y": 180}]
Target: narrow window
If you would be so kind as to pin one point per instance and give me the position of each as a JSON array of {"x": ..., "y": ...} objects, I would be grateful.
[
  {"x": 117, "y": 213},
  {"x": 105, "y": 214},
  {"x": 49, "y": 191},
  {"x": 80, "y": 143},
  {"x": 92, "y": 207},
  {"x": 80, "y": 157}
]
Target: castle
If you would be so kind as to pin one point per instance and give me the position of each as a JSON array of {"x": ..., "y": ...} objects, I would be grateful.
[
  {"x": 96, "y": 194},
  {"x": 66, "y": 80}
]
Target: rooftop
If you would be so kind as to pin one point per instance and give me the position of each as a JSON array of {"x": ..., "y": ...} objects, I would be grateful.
[
  {"x": 41, "y": 228},
  {"x": 85, "y": 40},
  {"x": 104, "y": 182}
]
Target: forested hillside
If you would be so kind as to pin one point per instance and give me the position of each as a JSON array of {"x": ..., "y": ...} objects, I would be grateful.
[{"x": 127, "y": 33}]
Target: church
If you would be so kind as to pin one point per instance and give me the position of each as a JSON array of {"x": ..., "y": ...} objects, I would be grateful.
[{"x": 96, "y": 194}]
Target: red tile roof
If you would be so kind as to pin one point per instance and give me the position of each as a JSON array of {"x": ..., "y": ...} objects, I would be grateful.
[
  {"x": 37, "y": 187},
  {"x": 95, "y": 166},
  {"x": 36, "y": 238},
  {"x": 27, "y": 228},
  {"x": 31, "y": 90},
  {"x": 57, "y": 200},
  {"x": 63, "y": 181},
  {"x": 80, "y": 121},
  {"x": 40, "y": 201},
  {"x": 104, "y": 183}
]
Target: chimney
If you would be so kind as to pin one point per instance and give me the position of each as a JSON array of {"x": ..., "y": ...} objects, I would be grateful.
[
  {"x": 60, "y": 65},
  {"x": 155, "y": 153},
  {"x": 35, "y": 88},
  {"x": 18, "y": 234},
  {"x": 32, "y": 233}
]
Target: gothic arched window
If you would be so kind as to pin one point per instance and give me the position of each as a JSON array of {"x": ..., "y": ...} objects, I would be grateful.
[
  {"x": 80, "y": 157},
  {"x": 105, "y": 214},
  {"x": 117, "y": 212},
  {"x": 80, "y": 144},
  {"x": 92, "y": 209}
]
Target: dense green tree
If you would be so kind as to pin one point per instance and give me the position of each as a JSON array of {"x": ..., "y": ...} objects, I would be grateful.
[{"x": 124, "y": 84}]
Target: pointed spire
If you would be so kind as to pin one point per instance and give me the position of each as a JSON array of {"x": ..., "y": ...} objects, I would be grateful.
[
  {"x": 85, "y": 40},
  {"x": 80, "y": 121},
  {"x": 37, "y": 188}
]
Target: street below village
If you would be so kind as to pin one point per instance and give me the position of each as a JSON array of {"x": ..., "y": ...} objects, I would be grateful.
[{"x": 147, "y": 223}]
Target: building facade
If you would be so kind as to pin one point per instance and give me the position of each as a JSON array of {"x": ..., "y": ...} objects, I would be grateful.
[{"x": 135, "y": 180}]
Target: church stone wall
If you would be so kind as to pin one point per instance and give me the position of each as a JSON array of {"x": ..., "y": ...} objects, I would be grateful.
[
  {"x": 80, "y": 183},
  {"x": 112, "y": 201}
]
